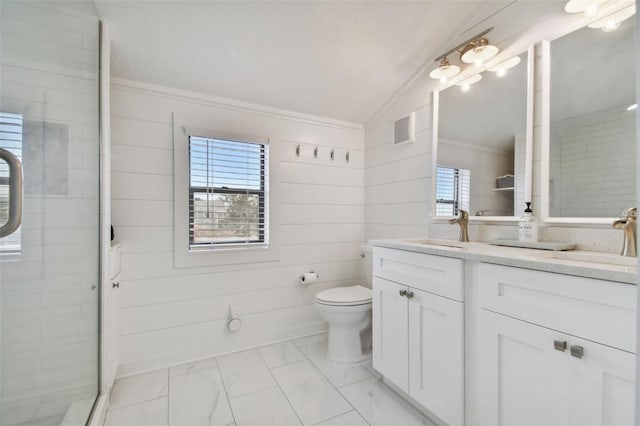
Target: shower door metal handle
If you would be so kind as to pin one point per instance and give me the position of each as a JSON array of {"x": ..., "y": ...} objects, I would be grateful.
[{"x": 15, "y": 193}]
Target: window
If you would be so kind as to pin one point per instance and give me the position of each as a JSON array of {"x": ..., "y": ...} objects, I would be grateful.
[
  {"x": 452, "y": 190},
  {"x": 228, "y": 187},
  {"x": 11, "y": 140}
]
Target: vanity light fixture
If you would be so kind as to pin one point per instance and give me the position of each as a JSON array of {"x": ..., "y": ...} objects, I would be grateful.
[
  {"x": 465, "y": 85},
  {"x": 588, "y": 7},
  {"x": 502, "y": 68},
  {"x": 475, "y": 50},
  {"x": 612, "y": 22}
]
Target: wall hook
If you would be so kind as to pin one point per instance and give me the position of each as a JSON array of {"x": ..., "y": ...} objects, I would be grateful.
[
  {"x": 298, "y": 151},
  {"x": 347, "y": 156},
  {"x": 315, "y": 152},
  {"x": 333, "y": 154}
]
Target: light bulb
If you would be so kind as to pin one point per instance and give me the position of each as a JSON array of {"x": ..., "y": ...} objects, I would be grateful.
[
  {"x": 632, "y": 107},
  {"x": 611, "y": 25},
  {"x": 465, "y": 87},
  {"x": 591, "y": 10},
  {"x": 444, "y": 71},
  {"x": 501, "y": 72}
]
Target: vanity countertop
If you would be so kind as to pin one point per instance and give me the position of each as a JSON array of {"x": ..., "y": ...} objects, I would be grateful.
[{"x": 604, "y": 266}]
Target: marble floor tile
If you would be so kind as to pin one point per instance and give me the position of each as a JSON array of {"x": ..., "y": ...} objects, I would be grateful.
[
  {"x": 149, "y": 413},
  {"x": 198, "y": 399},
  {"x": 267, "y": 407},
  {"x": 311, "y": 395},
  {"x": 368, "y": 365},
  {"x": 315, "y": 348},
  {"x": 244, "y": 372},
  {"x": 191, "y": 367},
  {"x": 42, "y": 421},
  {"x": 352, "y": 418},
  {"x": 284, "y": 384},
  {"x": 143, "y": 387},
  {"x": 280, "y": 354},
  {"x": 380, "y": 406},
  {"x": 78, "y": 412}
]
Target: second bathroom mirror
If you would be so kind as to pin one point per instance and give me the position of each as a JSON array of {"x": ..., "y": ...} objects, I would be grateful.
[
  {"x": 481, "y": 143},
  {"x": 589, "y": 125}
]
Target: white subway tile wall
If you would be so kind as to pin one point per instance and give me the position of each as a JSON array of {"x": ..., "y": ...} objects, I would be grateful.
[
  {"x": 593, "y": 166},
  {"x": 49, "y": 297},
  {"x": 171, "y": 315}
]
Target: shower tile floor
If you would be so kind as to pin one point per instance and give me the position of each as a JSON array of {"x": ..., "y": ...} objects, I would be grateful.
[{"x": 284, "y": 384}]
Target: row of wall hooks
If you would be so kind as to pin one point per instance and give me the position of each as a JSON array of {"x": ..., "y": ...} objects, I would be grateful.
[{"x": 332, "y": 154}]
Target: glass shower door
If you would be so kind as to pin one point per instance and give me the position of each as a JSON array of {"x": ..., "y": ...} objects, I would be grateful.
[{"x": 49, "y": 259}]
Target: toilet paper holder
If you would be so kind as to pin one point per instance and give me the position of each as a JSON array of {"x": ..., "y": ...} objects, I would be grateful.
[{"x": 303, "y": 277}]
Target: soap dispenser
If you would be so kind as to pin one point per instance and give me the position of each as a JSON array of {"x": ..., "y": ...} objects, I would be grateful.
[{"x": 528, "y": 226}]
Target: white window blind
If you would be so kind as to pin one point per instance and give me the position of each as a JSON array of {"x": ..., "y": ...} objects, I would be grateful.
[
  {"x": 228, "y": 193},
  {"x": 453, "y": 187},
  {"x": 11, "y": 140}
]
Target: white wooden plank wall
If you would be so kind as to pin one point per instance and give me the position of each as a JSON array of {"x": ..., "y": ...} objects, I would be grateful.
[
  {"x": 174, "y": 315},
  {"x": 398, "y": 178}
]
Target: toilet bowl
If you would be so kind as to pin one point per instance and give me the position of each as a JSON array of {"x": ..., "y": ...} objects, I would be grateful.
[{"x": 348, "y": 312}]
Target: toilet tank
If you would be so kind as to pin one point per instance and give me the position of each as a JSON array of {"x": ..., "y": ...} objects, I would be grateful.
[{"x": 367, "y": 264}]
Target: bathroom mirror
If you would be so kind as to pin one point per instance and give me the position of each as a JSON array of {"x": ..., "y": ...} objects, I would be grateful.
[
  {"x": 589, "y": 125},
  {"x": 481, "y": 145}
]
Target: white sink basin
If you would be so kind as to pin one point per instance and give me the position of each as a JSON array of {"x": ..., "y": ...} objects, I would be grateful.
[
  {"x": 590, "y": 257},
  {"x": 440, "y": 243}
]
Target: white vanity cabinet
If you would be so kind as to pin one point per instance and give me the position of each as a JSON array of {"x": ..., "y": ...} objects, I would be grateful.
[
  {"x": 555, "y": 349},
  {"x": 418, "y": 336}
]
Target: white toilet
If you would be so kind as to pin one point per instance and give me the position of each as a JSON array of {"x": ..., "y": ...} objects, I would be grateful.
[{"x": 348, "y": 312}]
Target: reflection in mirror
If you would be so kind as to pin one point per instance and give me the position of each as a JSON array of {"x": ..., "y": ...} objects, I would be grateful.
[
  {"x": 452, "y": 191},
  {"x": 482, "y": 130},
  {"x": 591, "y": 146}
]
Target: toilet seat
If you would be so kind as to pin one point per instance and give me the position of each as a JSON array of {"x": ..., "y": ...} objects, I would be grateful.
[{"x": 345, "y": 296}]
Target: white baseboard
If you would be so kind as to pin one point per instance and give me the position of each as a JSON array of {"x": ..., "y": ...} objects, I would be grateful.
[{"x": 99, "y": 411}]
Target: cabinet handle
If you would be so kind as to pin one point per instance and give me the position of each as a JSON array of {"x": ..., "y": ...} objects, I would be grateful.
[
  {"x": 560, "y": 345},
  {"x": 409, "y": 294},
  {"x": 577, "y": 351},
  {"x": 116, "y": 285},
  {"x": 403, "y": 292}
]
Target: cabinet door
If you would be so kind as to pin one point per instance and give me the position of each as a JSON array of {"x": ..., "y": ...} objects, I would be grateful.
[
  {"x": 436, "y": 351},
  {"x": 523, "y": 379},
  {"x": 390, "y": 332},
  {"x": 602, "y": 385}
]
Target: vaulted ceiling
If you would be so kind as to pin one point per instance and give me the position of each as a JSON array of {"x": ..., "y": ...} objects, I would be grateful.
[{"x": 342, "y": 59}]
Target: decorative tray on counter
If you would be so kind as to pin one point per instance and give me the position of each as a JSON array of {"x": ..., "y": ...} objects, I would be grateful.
[{"x": 540, "y": 245}]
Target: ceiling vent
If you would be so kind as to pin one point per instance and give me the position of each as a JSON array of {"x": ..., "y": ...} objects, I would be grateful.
[{"x": 403, "y": 130}]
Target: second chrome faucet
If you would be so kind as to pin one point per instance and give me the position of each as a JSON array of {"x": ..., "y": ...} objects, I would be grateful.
[
  {"x": 628, "y": 224},
  {"x": 463, "y": 220}
]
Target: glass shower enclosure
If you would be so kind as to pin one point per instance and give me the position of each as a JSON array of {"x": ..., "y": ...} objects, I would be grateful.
[{"x": 49, "y": 212}]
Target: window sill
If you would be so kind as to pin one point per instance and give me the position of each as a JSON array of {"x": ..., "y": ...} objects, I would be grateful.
[
  {"x": 224, "y": 256},
  {"x": 239, "y": 248}
]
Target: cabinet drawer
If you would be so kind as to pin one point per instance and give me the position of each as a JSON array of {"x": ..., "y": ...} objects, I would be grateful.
[
  {"x": 434, "y": 274},
  {"x": 597, "y": 310}
]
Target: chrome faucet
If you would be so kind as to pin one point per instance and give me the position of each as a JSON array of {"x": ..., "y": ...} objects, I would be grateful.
[
  {"x": 463, "y": 220},
  {"x": 628, "y": 224}
]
